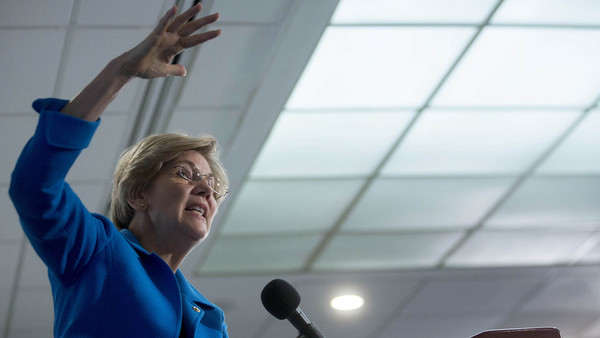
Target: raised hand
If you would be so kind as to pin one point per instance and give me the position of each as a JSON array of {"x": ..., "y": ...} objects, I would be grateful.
[{"x": 151, "y": 58}]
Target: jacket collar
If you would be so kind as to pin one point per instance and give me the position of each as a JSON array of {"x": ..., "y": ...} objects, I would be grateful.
[{"x": 185, "y": 287}]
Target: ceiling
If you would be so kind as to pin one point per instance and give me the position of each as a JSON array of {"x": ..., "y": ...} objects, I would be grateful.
[{"x": 440, "y": 158}]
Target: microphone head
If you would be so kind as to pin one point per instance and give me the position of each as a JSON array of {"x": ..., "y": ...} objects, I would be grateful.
[{"x": 280, "y": 298}]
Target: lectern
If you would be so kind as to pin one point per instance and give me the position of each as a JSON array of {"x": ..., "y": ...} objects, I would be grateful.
[{"x": 538, "y": 332}]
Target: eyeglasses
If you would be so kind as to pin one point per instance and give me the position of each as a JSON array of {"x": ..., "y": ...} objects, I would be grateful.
[{"x": 190, "y": 174}]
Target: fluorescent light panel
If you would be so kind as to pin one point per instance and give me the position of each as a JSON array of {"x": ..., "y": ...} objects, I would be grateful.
[
  {"x": 528, "y": 68},
  {"x": 328, "y": 144},
  {"x": 410, "y": 11},
  {"x": 552, "y": 12},
  {"x": 446, "y": 142},
  {"x": 357, "y": 67},
  {"x": 425, "y": 204},
  {"x": 264, "y": 207}
]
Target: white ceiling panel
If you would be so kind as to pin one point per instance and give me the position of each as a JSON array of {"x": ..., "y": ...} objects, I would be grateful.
[
  {"x": 425, "y": 204},
  {"x": 94, "y": 196},
  {"x": 215, "y": 80},
  {"x": 440, "y": 327},
  {"x": 326, "y": 144},
  {"x": 34, "y": 274},
  {"x": 122, "y": 13},
  {"x": 97, "y": 162},
  {"x": 553, "y": 12},
  {"x": 381, "y": 300},
  {"x": 518, "y": 248},
  {"x": 377, "y": 66},
  {"x": 89, "y": 51},
  {"x": 10, "y": 228},
  {"x": 30, "y": 61},
  {"x": 33, "y": 309},
  {"x": 445, "y": 297},
  {"x": 385, "y": 251},
  {"x": 35, "y": 13},
  {"x": 271, "y": 11},
  {"x": 477, "y": 142},
  {"x": 289, "y": 206},
  {"x": 526, "y": 67},
  {"x": 566, "y": 202},
  {"x": 219, "y": 122},
  {"x": 5, "y": 295},
  {"x": 9, "y": 251},
  {"x": 258, "y": 254},
  {"x": 16, "y": 131},
  {"x": 409, "y": 11},
  {"x": 31, "y": 332},
  {"x": 571, "y": 293},
  {"x": 580, "y": 153}
]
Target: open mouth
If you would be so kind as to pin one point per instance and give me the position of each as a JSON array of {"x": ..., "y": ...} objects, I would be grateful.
[{"x": 196, "y": 210}]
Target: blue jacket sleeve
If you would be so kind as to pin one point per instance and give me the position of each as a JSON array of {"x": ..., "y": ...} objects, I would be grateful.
[{"x": 61, "y": 230}]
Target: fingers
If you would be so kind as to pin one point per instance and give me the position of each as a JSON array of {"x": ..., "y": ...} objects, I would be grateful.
[
  {"x": 179, "y": 21},
  {"x": 193, "y": 26},
  {"x": 197, "y": 39},
  {"x": 164, "y": 21}
]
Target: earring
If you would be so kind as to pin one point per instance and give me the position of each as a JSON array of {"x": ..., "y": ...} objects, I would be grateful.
[{"x": 143, "y": 205}]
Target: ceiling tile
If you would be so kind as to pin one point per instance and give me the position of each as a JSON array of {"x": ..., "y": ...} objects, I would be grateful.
[
  {"x": 121, "y": 13},
  {"x": 271, "y": 11},
  {"x": 9, "y": 251},
  {"x": 517, "y": 248},
  {"x": 34, "y": 274},
  {"x": 89, "y": 51},
  {"x": 33, "y": 309},
  {"x": 385, "y": 251},
  {"x": 360, "y": 67},
  {"x": 95, "y": 196},
  {"x": 579, "y": 153},
  {"x": 526, "y": 67},
  {"x": 97, "y": 162},
  {"x": 575, "y": 12},
  {"x": 219, "y": 122},
  {"x": 326, "y": 144},
  {"x": 477, "y": 142},
  {"x": 5, "y": 295},
  {"x": 10, "y": 228},
  {"x": 30, "y": 60},
  {"x": 215, "y": 80},
  {"x": 408, "y": 11},
  {"x": 32, "y": 332},
  {"x": 289, "y": 206},
  {"x": 35, "y": 13},
  {"x": 15, "y": 131},
  {"x": 381, "y": 295},
  {"x": 547, "y": 202},
  {"x": 258, "y": 254},
  {"x": 566, "y": 294},
  {"x": 425, "y": 204},
  {"x": 446, "y": 297}
]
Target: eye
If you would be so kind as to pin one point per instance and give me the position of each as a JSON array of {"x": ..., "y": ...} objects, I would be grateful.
[{"x": 185, "y": 172}]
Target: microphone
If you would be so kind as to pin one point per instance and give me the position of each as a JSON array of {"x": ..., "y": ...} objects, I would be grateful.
[{"x": 282, "y": 300}]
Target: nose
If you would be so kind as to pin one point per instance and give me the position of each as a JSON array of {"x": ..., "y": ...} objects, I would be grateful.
[{"x": 202, "y": 188}]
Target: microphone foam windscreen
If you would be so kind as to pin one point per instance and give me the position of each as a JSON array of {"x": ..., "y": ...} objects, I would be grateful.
[{"x": 280, "y": 298}]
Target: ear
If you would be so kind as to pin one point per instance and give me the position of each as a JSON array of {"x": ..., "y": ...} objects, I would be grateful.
[{"x": 138, "y": 203}]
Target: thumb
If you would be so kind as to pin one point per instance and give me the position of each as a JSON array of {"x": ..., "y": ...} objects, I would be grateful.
[{"x": 176, "y": 70}]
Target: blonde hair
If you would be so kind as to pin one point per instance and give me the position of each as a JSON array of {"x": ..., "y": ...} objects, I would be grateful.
[{"x": 140, "y": 164}]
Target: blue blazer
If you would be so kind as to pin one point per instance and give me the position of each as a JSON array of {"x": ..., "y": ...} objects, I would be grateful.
[{"x": 104, "y": 283}]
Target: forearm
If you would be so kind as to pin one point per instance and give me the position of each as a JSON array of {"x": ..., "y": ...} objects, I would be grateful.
[{"x": 91, "y": 102}]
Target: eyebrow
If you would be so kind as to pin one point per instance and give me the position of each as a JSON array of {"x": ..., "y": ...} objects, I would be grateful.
[{"x": 193, "y": 165}]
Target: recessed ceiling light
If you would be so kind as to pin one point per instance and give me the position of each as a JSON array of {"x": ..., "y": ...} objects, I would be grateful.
[{"x": 347, "y": 302}]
